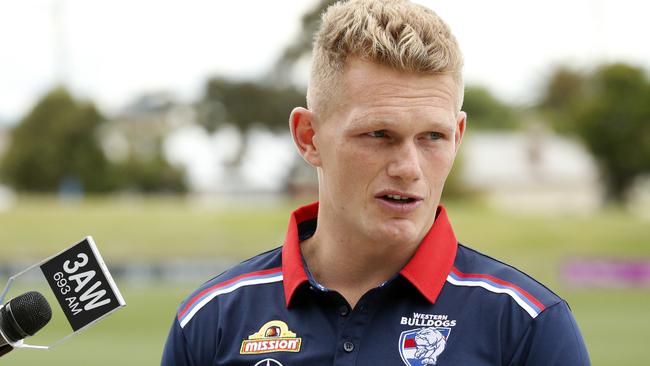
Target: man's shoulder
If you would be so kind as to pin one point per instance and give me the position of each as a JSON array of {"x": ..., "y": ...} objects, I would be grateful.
[
  {"x": 473, "y": 268},
  {"x": 269, "y": 261},
  {"x": 261, "y": 269}
]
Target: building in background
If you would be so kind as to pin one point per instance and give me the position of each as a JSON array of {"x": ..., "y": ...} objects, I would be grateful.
[
  {"x": 138, "y": 130},
  {"x": 532, "y": 169}
]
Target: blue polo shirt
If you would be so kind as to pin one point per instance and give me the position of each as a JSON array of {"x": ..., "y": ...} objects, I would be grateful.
[{"x": 450, "y": 305}]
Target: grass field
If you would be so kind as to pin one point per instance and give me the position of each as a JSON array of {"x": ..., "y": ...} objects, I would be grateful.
[{"x": 615, "y": 323}]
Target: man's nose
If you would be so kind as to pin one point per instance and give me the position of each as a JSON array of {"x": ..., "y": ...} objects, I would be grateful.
[{"x": 405, "y": 164}]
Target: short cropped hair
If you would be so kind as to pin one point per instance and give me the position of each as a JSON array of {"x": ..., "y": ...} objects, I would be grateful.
[{"x": 395, "y": 33}]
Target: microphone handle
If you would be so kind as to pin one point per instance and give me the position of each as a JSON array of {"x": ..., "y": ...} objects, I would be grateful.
[{"x": 5, "y": 349}]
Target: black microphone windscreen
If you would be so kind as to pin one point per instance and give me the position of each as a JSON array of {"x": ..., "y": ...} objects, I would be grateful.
[{"x": 25, "y": 315}]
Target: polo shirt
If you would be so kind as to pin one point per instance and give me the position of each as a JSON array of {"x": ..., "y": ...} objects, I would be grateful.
[{"x": 450, "y": 305}]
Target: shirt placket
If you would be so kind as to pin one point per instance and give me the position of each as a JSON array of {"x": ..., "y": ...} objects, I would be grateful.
[{"x": 352, "y": 325}]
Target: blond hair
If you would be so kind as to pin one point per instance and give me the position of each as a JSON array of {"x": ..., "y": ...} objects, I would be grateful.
[{"x": 395, "y": 33}]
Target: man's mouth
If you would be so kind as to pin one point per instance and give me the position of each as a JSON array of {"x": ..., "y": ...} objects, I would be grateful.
[
  {"x": 400, "y": 202},
  {"x": 396, "y": 198}
]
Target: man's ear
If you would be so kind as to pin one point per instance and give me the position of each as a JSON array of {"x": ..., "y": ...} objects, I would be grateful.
[
  {"x": 461, "y": 122},
  {"x": 301, "y": 123}
]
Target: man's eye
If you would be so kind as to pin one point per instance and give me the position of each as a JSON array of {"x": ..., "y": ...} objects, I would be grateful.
[
  {"x": 434, "y": 135},
  {"x": 378, "y": 133}
]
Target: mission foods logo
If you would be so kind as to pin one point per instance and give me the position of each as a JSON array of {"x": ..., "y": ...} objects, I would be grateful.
[{"x": 274, "y": 336}]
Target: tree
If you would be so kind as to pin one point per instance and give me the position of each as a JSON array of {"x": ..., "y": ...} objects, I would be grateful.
[
  {"x": 246, "y": 104},
  {"x": 152, "y": 175},
  {"x": 138, "y": 158},
  {"x": 609, "y": 110},
  {"x": 485, "y": 111},
  {"x": 564, "y": 93},
  {"x": 301, "y": 45},
  {"x": 266, "y": 102},
  {"x": 56, "y": 144}
]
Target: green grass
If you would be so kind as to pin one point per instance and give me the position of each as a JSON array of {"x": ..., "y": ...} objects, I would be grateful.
[
  {"x": 615, "y": 323},
  {"x": 538, "y": 243},
  {"x": 143, "y": 228}
]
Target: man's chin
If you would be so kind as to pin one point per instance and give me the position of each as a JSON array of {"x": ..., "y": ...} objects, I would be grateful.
[{"x": 398, "y": 230}]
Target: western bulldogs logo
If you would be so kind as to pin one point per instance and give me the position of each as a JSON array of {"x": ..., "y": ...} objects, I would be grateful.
[{"x": 422, "y": 346}]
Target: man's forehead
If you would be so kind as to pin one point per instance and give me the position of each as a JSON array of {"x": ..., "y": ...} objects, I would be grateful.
[{"x": 367, "y": 81}]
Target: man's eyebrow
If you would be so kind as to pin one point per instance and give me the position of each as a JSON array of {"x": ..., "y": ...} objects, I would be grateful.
[
  {"x": 379, "y": 123},
  {"x": 374, "y": 122}
]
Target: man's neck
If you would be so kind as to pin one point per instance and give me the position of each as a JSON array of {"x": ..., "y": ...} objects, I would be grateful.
[{"x": 352, "y": 265}]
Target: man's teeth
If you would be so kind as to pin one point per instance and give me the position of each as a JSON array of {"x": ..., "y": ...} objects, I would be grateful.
[{"x": 397, "y": 197}]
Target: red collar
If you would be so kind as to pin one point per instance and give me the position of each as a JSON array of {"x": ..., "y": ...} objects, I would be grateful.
[{"x": 427, "y": 270}]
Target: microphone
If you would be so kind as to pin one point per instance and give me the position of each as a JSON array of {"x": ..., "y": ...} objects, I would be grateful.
[{"x": 22, "y": 317}]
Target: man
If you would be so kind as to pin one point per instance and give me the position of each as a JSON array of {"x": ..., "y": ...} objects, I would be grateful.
[{"x": 372, "y": 274}]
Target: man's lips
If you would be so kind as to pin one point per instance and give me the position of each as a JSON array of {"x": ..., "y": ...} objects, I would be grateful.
[
  {"x": 398, "y": 195},
  {"x": 398, "y": 201}
]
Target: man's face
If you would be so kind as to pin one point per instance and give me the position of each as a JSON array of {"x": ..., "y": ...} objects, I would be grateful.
[{"x": 386, "y": 149}]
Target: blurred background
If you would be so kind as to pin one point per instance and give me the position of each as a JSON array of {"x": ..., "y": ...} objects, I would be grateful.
[{"x": 160, "y": 128}]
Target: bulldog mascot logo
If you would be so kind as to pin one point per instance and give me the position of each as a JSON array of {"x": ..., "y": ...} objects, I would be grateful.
[{"x": 422, "y": 346}]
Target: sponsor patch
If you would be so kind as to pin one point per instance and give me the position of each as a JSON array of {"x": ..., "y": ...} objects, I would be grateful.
[{"x": 274, "y": 336}]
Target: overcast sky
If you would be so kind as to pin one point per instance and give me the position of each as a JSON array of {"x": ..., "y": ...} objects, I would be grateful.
[{"x": 114, "y": 50}]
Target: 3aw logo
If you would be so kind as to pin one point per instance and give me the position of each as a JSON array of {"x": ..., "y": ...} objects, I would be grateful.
[
  {"x": 82, "y": 284},
  {"x": 423, "y": 346}
]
